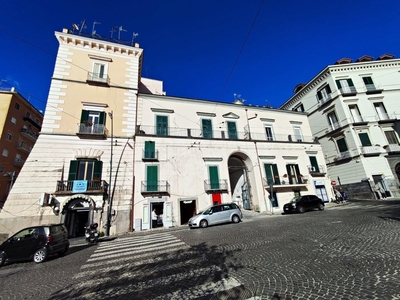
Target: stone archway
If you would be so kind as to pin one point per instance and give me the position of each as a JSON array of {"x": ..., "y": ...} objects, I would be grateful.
[
  {"x": 240, "y": 182},
  {"x": 78, "y": 213}
]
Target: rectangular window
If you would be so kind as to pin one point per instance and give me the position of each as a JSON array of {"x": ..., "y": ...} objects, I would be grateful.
[
  {"x": 314, "y": 164},
  {"x": 355, "y": 113},
  {"x": 18, "y": 158},
  {"x": 299, "y": 108},
  {"x": 346, "y": 86},
  {"x": 85, "y": 169},
  {"x": 333, "y": 121},
  {"x": 149, "y": 149},
  {"x": 17, "y": 106},
  {"x": 5, "y": 152},
  {"x": 232, "y": 132},
  {"x": 13, "y": 120},
  {"x": 364, "y": 138},
  {"x": 369, "y": 84},
  {"x": 273, "y": 199},
  {"x": 206, "y": 127},
  {"x": 381, "y": 111},
  {"x": 293, "y": 173},
  {"x": 297, "y": 134},
  {"x": 324, "y": 94},
  {"x": 214, "y": 177},
  {"x": 269, "y": 132},
  {"x": 92, "y": 122},
  {"x": 1, "y": 169},
  {"x": 162, "y": 125},
  {"x": 342, "y": 146},
  {"x": 28, "y": 114},
  {"x": 9, "y": 136},
  {"x": 271, "y": 173},
  {"x": 391, "y": 137},
  {"x": 152, "y": 178}
]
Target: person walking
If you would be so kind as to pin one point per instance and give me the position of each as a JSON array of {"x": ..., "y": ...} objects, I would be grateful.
[
  {"x": 153, "y": 218},
  {"x": 383, "y": 193},
  {"x": 339, "y": 197}
]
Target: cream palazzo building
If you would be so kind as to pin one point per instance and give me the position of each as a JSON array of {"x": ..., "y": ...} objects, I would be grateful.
[{"x": 111, "y": 137}]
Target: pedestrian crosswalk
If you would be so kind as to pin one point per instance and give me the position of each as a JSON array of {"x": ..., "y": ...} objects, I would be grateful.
[
  {"x": 152, "y": 266},
  {"x": 358, "y": 205}
]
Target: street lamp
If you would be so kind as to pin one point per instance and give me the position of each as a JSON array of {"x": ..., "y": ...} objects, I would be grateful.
[{"x": 108, "y": 224}]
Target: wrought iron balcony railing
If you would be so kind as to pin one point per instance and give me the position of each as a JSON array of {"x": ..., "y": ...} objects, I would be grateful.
[
  {"x": 96, "y": 78},
  {"x": 155, "y": 187},
  {"x": 30, "y": 134},
  {"x": 66, "y": 187},
  {"x": 216, "y": 186}
]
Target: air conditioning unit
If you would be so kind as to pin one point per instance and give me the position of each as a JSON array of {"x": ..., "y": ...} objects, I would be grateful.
[{"x": 45, "y": 199}]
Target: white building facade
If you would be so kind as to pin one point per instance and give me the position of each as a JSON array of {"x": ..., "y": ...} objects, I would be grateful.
[
  {"x": 113, "y": 147},
  {"x": 353, "y": 109}
]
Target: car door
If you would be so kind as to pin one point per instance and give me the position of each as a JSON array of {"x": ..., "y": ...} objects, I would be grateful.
[
  {"x": 21, "y": 245},
  {"x": 314, "y": 200},
  {"x": 226, "y": 213},
  {"x": 306, "y": 202},
  {"x": 215, "y": 216}
]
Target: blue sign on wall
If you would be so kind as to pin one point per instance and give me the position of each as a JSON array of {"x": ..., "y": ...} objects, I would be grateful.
[{"x": 80, "y": 186}]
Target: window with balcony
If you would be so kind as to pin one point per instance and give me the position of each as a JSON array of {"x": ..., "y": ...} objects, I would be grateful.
[
  {"x": 293, "y": 173},
  {"x": 298, "y": 134},
  {"x": 364, "y": 138},
  {"x": 99, "y": 73},
  {"x": 333, "y": 120},
  {"x": 314, "y": 168},
  {"x": 149, "y": 150},
  {"x": 269, "y": 132},
  {"x": 85, "y": 169},
  {"x": 206, "y": 127},
  {"x": 369, "y": 84},
  {"x": 9, "y": 136},
  {"x": 232, "y": 131},
  {"x": 162, "y": 125},
  {"x": 346, "y": 87},
  {"x": 272, "y": 174},
  {"x": 391, "y": 137},
  {"x": 355, "y": 113},
  {"x": 299, "y": 107},
  {"x": 18, "y": 158},
  {"x": 324, "y": 94},
  {"x": 92, "y": 122},
  {"x": 214, "y": 177},
  {"x": 381, "y": 111},
  {"x": 151, "y": 178}
]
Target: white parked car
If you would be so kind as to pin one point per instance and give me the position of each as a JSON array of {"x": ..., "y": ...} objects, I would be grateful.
[{"x": 217, "y": 214}]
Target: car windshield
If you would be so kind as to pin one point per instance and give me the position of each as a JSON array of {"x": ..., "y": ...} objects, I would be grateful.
[
  {"x": 295, "y": 200},
  {"x": 207, "y": 211}
]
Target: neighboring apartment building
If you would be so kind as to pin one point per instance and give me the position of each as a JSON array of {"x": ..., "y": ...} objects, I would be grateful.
[
  {"x": 20, "y": 125},
  {"x": 354, "y": 111},
  {"x": 114, "y": 145}
]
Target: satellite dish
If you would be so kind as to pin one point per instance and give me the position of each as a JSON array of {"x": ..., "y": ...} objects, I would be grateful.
[{"x": 75, "y": 26}]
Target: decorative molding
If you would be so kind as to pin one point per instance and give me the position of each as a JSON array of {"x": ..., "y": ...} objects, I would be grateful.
[
  {"x": 290, "y": 157},
  {"x": 230, "y": 115},
  {"x": 103, "y": 105},
  {"x": 376, "y": 98},
  {"x": 205, "y": 114},
  {"x": 312, "y": 152},
  {"x": 100, "y": 58},
  {"x": 212, "y": 158},
  {"x": 88, "y": 153},
  {"x": 267, "y": 157},
  {"x": 161, "y": 110},
  {"x": 267, "y": 120},
  {"x": 295, "y": 122}
]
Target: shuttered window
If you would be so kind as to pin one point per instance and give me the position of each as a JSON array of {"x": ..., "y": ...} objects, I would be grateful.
[
  {"x": 364, "y": 138},
  {"x": 214, "y": 177}
]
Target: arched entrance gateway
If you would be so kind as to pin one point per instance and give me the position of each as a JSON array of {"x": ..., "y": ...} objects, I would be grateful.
[
  {"x": 77, "y": 213},
  {"x": 240, "y": 180}
]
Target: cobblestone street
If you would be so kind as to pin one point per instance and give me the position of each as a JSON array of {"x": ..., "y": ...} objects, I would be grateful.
[{"x": 348, "y": 251}]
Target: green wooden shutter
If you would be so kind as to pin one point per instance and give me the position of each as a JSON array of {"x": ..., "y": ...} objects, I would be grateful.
[
  {"x": 102, "y": 118},
  {"x": 97, "y": 170},
  {"x": 162, "y": 125},
  {"x": 314, "y": 163},
  {"x": 232, "y": 133},
  {"x": 276, "y": 174},
  {"x": 84, "y": 116},
  {"x": 364, "y": 138},
  {"x": 328, "y": 89},
  {"x": 342, "y": 145},
  {"x": 319, "y": 95},
  {"x": 338, "y": 84},
  {"x": 152, "y": 178},
  {"x": 350, "y": 82},
  {"x": 214, "y": 178},
  {"x": 149, "y": 149},
  {"x": 296, "y": 167},
  {"x": 207, "y": 128},
  {"x": 269, "y": 174},
  {"x": 367, "y": 80},
  {"x": 73, "y": 169},
  {"x": 289, "y": 174}
]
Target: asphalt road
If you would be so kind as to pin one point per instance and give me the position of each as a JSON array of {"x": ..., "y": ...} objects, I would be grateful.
[{"x": 348, "y": 251}]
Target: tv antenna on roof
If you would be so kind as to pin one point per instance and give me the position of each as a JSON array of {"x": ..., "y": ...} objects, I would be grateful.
[
  {"x": 94, "y": 31},
  {"x": 119, "y": 32},
  {"x": 83, "y": 26},
  {"x": 135, "y": 34}
]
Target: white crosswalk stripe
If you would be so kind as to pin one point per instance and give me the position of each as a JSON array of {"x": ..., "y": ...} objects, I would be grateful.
[{"x": 129, "y": 259}]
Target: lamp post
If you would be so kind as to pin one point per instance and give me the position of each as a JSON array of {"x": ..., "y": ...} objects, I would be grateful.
[{"x": 108, "y": 224}]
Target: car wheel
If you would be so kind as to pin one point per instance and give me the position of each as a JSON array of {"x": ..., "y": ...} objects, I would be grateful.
[
  {"x": 235, "y": 219},
  {"x": 203, "y": 223},
  {"x": 40, "y": 255},
  {"x": 61, "y": 253},
  {"x": 2, "y": 259},
  {"x": 321, "y": 206},
  {"x": 301, "y": 209}
]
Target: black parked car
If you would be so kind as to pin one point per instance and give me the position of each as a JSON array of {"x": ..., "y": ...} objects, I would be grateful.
[
  {"x": 36, "y": 242},
  {"x": 303, "y": 203}
]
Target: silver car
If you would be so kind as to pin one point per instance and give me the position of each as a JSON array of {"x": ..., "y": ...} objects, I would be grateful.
[{"x": 217, "y": 214}]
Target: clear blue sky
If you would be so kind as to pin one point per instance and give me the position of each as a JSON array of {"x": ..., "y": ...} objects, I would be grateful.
[{"x": 204, "y": 49}]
